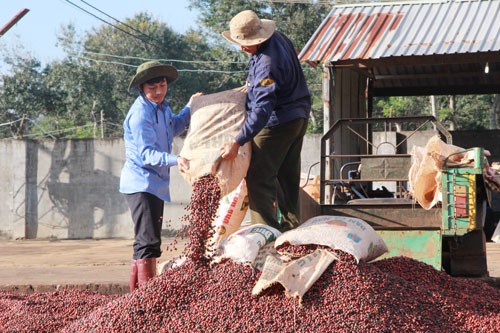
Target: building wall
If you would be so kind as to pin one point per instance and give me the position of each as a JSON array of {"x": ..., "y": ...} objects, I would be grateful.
[
  {"x": 68, "y": 189},
  {"x": 13, "y": 190}
]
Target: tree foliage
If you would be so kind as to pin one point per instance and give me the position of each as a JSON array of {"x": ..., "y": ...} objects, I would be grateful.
[
  {"x": 85, "y": 94},
  {"x": 469, "y": 112},
  {"x": 297, "y": 21},
  {"x": 90, "y": 83},
  {"x": 25, "y": 93},
  {"x": 70, "y": 97}
]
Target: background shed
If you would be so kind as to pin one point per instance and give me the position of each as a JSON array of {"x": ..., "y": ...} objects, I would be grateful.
[{"x": 370, "y": 50}]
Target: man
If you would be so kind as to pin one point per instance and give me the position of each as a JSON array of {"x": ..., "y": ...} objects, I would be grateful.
[
  {"x": 278, "y": 105},
  {"x": 149, "y": 129}
]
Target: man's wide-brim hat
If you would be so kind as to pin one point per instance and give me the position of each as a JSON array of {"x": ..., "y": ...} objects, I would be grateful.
[
  {"x": 246, "y": 29},
  {"x": 150, "y": 70}
]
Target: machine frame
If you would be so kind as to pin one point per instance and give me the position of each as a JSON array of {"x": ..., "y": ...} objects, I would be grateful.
[{"x": 448, "y": 236}]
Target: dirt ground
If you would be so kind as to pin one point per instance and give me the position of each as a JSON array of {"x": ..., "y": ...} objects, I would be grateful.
[
  {"x": 44, "y": 265},
  {"x": 101, "y": 265}
]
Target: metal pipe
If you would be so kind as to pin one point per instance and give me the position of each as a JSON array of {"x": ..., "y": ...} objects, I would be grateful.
[{"x": 13, "y": 21}]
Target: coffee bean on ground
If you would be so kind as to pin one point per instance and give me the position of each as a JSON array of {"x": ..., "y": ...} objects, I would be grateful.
[{"x": 392, "y": 295}]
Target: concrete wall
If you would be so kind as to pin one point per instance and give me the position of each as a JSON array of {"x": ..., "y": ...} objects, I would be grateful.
[
  {"x": 13, "y": 189},
  {"x": 68, "y": 189}
]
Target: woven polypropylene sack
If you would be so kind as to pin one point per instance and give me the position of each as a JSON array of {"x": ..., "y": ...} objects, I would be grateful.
[
  {"x": 348, "y": 234},
  {"x": 425, "y": 171},
  {"x": 243, "y": 246},
  {"x": 232, "y": 210},
  {"x": 216, "y": 119}
]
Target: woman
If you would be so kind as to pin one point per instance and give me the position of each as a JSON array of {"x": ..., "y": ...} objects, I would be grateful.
[{"x": 149, "y": 130}]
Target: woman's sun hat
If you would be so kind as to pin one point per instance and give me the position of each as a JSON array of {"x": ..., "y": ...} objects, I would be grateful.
[
  {"x": 246, "y": 29},
  {"x": 150, "y": 70}
]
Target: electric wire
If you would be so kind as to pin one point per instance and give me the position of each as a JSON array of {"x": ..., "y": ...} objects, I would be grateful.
[
  {"x": 135, "y": 36},
  {"x": 121, "y": 63},
  {"x": 4, "y": 130},
  {"x": 111, "y": 24},
  {"x": 55, "y": 132},
  {"x": 308, "y": 68},
  {"x": 39, "y": 127},
  {"x": 144, "y": 41},
  {"x": 123, "y": 23},
  {"x": 179, "y": 70},
  {"x": 167, "y": 60},
  {"x": 50, "y": 133}
]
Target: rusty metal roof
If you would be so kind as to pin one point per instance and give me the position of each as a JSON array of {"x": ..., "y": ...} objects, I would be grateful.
[
  {"x": 414, "y": 48},
  {"x": 380, "y": 30}
]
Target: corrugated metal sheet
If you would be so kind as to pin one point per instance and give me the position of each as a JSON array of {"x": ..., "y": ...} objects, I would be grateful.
[{"x": 374, "y": 31}]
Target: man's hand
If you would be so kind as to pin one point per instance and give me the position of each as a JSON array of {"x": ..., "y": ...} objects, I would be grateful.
[
  {"x": 183, "y": 164},
  {"x": 230, "y": 150}
]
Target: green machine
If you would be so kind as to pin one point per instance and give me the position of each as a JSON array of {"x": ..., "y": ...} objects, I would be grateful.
[
  {"x": 368, "y": 178},
  {"x": 463, "y": 216}
]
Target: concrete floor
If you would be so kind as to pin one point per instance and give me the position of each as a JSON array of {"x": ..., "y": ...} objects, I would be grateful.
[
  {"x": 44, "y": 265},
  {"x": 100, "y": 265}
]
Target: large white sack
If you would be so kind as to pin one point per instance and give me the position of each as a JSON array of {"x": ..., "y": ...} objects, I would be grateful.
[
  {"x": 216, "y": 119},
  {"x": 243, "y": 246},
  {"x": 296, "y": 276},
  {"x": 348, "y": 234}
]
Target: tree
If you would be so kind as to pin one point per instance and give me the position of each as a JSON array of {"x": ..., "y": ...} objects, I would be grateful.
[
  {"x": 297, "y": 21},
  {"x": 472, "y": 112},
  {"x": 401, "y": 106},
  {"x": 495, "y": 112},
  {"x": 25, "y": 94},
  {"x": 93, "y": 78},
  {"x": 461, "y": 112}
]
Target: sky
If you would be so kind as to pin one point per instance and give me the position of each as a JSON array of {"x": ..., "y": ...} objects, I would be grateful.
[{"x": 37, "y": 30}]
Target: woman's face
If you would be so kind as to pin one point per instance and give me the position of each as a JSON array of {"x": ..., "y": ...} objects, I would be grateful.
[{"x": 155, "y": 92}]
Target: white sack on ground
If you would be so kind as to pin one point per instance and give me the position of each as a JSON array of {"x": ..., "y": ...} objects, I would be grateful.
[
  {"x": 244, "y": 245},
  {"x": 348, "y": 234},
  {"x": 170, "y": 264},
  {"x": 264, "y": 252},
  {"x": 296, "y": 276},
  {"x": 216, "y": 119}
]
